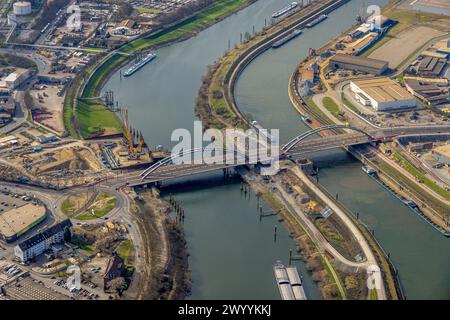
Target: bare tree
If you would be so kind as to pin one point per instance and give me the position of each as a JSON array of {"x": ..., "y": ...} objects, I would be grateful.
[{"x": 118, "y": 284}]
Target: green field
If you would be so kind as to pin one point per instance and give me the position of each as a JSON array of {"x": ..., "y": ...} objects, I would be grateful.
[
  {"x": 96, "y": 119},
  {"x": 92, "y": 118},
  {"x": 147, "y": 10},
  {"x": 331, "y": 106},
  {"x": 102, "y": 205},
  {"x": 350, "y": 105}
]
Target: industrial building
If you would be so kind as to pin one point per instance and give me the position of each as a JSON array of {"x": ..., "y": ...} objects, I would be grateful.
[
  {"x": 442, "y": 154},
  {"x": 431, "y": 67},
  {"x": 42, "y": 242},
  {"x": 17, "y": 221},
  {"x": 429, "y": 92},
  {"x": 125, "y": 28},
  {"x": 382, "y": 94},
  {"x": 15, "y": 79},
  {"x": 8, "y": 141},
  {"x": 22, "y": 8},
  {"x": 350, "y": 62}
]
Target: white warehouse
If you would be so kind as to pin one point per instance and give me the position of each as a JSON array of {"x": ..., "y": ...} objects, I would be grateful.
[{"x": 382, "y": 94}]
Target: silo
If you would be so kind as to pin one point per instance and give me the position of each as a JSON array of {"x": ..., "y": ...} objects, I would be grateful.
[{"x": 22, "y": 8}]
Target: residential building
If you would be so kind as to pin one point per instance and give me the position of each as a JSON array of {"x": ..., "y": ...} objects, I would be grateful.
[{"x": 41, "y": 242}]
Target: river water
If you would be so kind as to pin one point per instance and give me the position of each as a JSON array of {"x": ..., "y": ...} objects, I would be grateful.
[{"x": 232, "y": 252}]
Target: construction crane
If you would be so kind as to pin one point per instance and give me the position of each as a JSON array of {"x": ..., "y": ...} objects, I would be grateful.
[{"x": 130, "y": 134}]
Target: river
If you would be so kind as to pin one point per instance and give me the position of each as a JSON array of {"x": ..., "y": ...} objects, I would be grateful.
[{"x": 232, "y": 252}]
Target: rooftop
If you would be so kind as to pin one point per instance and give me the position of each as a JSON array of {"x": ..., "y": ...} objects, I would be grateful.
[
  {"x": 383, "y": 89},
  {"x": 17, "y": 220},
  {"x": 38, "y": 238},
  {"x": 360, "y": 61}
]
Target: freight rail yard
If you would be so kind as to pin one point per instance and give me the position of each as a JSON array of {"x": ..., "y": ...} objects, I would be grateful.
[{"x": 84, "y": 186}]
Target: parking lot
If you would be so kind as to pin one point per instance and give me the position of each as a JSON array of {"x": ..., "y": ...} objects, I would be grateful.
[{"x": 11, "y": 200}]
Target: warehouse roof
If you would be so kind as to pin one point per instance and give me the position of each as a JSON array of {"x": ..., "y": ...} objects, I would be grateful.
[
  {"x": 359, "y": 61},
  {"x": 383, "y": 89},
  {"x": 432, "y": 65},
  {"x": 16, "y": 220}
]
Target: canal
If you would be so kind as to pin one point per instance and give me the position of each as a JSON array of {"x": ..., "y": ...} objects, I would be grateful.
[
  {"x": 421, "y": 254},
  {"x": 232, "y": 252}
]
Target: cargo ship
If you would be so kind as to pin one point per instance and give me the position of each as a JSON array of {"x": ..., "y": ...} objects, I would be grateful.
[
  {"x": 305, "y": 119},
  {"x": 370, "y": 171},
  {"x": 316, "y": 21},
  {"x": 285, "y": 10},
  {"x": 288, "y": 38},
  {"x": 289, "y": 282},
  {"x": 135, "y": 67}
]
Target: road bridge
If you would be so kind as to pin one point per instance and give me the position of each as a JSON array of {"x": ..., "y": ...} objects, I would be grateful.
[{"x": 167, "y": 168}]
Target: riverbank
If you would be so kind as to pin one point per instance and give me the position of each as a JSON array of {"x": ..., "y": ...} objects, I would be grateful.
[
  {"x": 325, "y": 245},
  {"x": 215, "y": 104},
  {"x": 216, "y": 94},
  {"x": 78, "y": 119},
  {"x": 165, "y": 275},
  {"x": 316, "y": 263}
]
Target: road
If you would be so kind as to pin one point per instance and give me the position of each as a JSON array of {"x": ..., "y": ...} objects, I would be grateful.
[{"x": 364, "y": 245}]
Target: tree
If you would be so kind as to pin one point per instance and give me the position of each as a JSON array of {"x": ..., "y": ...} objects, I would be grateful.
[
  {"x": 118, "y": 284},
  {"x": 67, "y": 234}
]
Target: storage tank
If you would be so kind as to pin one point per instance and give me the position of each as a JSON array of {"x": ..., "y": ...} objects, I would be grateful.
[
  {"x": 12, "y": 19},
  {"x": 22, "y": 8}
]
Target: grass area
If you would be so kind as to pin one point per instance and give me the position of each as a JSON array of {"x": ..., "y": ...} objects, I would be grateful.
[
  {"x": 373, "y": 295},
  {"x": 91, "y": 119},
  {"x": 125, "y": 250},
  {"x": 147, "y": 10},
  {"x": 414, "y": 188},
  {"x": 400, "y": 77},
  {"x": 350, "y": 105},
  {"x": 95, "y": 119},
  {"x": 67, "y": 207},
  {"x": 187, "y": 27},
  {"x": 102, "y": 205},
  {"x": 416, "y": 173},
  {"x": 335, "y": 278},
  {"x": 82, "y": 245},
  {"x": 309, "y": 101},
  {"x": 331, "y": 106}
]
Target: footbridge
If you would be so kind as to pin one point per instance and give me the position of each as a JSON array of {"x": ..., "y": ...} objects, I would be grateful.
[{"x": 203, "y": 160}]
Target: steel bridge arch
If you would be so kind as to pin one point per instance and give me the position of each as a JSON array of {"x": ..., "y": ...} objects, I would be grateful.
[
  {"x": 169, "y": 159},
  {"x": 291, "y": 144}
]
